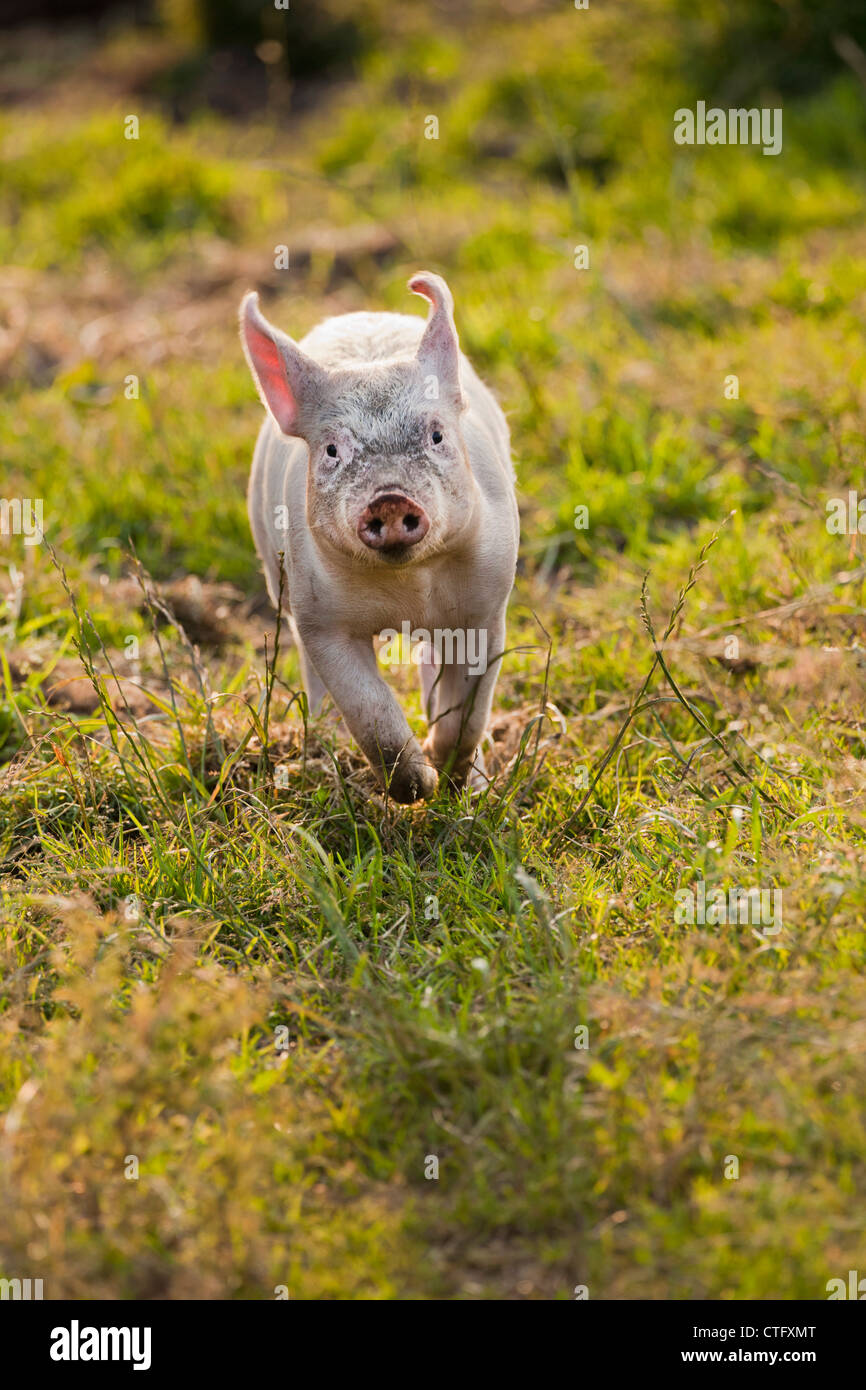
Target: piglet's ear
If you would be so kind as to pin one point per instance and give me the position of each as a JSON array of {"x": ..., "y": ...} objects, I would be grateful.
[
  {"x": 290, "y": 383},
  {"x": 438, "y": 352}
]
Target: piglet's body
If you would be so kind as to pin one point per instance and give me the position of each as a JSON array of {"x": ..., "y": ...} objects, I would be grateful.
[{"x": 383, "y": 474}]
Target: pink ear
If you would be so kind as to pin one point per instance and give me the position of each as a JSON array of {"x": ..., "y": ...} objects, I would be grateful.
[
  {"x": 268, "y": 364},
  {"x": 438, "y": 351}
]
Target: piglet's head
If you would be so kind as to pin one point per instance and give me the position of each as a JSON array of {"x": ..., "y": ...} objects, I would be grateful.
[{"x": 379, "y": 407}]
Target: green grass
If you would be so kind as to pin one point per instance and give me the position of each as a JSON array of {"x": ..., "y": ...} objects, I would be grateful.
[{"x": 279, "y": 993}]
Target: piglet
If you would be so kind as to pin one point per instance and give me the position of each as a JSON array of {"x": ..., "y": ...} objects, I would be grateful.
[{"x": 382, "y": 475}]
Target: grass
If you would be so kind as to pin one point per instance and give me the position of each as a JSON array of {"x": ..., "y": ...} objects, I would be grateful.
[{"x": 264, "y": 1031}]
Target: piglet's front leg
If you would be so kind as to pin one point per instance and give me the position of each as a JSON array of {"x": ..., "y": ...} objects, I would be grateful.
[
  {"x": 458, "y": 696},
  {"x": 348, "y": 668}
]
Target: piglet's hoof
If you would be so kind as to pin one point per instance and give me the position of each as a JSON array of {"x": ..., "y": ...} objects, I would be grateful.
[
  {"x": 477, "y": 779},
  {"x": 413, "y": 780},
  {"x": 472, "y": 775}
]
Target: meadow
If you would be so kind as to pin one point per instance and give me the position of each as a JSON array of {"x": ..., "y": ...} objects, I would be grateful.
[{"x": 265, "y": 1033}]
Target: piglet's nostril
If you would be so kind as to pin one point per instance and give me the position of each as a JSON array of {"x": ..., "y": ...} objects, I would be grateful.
[{"x": 392, "y": 522}]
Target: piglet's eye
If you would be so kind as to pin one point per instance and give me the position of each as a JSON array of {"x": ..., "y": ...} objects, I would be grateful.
[
  {"x": 331, "y": 451},
  {"x": 436, "y": 436}
]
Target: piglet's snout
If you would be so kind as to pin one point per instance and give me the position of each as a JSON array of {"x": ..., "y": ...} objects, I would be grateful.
[{"x": 392, "y": 522}]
